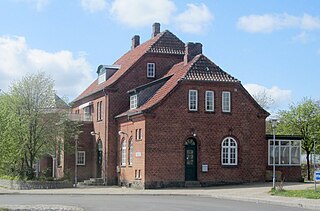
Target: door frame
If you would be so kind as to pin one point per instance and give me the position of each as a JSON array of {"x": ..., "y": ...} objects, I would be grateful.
[{"x": 191, "y": 143}]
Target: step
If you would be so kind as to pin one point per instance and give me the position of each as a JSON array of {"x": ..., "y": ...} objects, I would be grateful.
[{"x": 192, "y": 184}]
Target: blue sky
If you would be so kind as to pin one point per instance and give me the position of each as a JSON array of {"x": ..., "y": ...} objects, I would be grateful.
[{"x": 269, "y": 45}]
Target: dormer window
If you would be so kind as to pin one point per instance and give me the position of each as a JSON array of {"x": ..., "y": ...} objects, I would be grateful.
[
  {"x": 151, "y": 70},
  {"x": 102, "y": 78},
  {"x": 133, "y": 101}
]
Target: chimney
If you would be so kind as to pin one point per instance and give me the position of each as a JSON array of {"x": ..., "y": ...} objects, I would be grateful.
[
  {"x": 155, "y": 29},
  {"x": 135, "y": 41},
  {"x": 191, "y": 50}
]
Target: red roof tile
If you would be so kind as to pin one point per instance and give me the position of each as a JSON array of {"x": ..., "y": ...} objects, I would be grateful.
[{"x": 164, "y": 42}]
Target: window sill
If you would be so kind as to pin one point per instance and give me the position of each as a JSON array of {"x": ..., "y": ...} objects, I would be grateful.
[
  {"x": 130, "y": 165},
  {"x": 229, "y": 165},
  {"x": 99, "y": 120},
  {"x": 137, "y": 178},
  {"x": 209, "y": 112},
  {"x": 123, "y": 166},
  {"x": 138, "y": 139},
  {"x": 81, "y": 164}
]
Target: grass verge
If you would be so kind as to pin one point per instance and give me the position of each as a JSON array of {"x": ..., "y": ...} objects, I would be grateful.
[{"x": 309, "y": 193}]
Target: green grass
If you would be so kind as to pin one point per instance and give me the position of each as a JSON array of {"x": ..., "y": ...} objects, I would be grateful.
[
  {"x": 309, "y": 193},
  {"x": 3, "y": 209}
]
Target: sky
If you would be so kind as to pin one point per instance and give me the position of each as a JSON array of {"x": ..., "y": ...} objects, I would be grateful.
[{"x": 271, "y": 46}]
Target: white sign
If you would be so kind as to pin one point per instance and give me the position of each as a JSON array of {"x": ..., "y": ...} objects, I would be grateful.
[
  {"x": 138, "y": 154},
  {"x": 205, "y": 168}
]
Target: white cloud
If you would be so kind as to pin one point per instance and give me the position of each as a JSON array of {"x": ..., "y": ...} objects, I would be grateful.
[
  {"x": 303, "y": 37},
  {"x": 270, "y": 22},
  {"x": 195, "y": 19},
  {"x": 71, "y": 73},
  {"x": 281, "y": 97},
  {"x": 38, "y": 4},
  {"x": 94, "y": 5},
  {"x": 137, "y": 13}
]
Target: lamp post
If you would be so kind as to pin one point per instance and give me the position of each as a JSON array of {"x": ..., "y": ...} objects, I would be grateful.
[
  {"x": 76, "y": 161},
  {"x": 274, "y": 125}
]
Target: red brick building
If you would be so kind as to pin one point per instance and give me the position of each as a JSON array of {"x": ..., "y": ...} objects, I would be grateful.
[{"x": 166, "y": 115}]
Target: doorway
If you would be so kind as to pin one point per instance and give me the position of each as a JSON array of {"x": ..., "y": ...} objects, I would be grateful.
[
  {"x": 191, "y": 160},
  {"x": 99, "y": 158}
]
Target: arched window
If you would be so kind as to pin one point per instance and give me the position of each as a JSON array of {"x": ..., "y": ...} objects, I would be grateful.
[
  {"x": 229, "y": 151},
  {"x": 130, "y": 155},
  {"x": 123, "y": 152}
]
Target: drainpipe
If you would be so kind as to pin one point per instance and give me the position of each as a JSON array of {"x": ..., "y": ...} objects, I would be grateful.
[{"x": 105, "y": 138}]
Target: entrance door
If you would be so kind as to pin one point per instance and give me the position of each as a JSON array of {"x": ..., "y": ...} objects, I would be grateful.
[
  {"x": 99, "y": 158},
  {"x": 191, "y": 160}
]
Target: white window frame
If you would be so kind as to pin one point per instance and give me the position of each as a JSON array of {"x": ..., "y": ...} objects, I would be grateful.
[
  {"x": 229, "y": 150},
  {"x": 133, "y": 101},
  {"x": 278, "y": 147},
  {"x": 193, "y": 100},
  {"x": 226, "y": 103},
  {"x": 81, "y": 158},
  {"x": 209, "y": 102},
  {"x": 130, "y": 154},
  {"x": 123, "y": 152},
  {"x": 139, "y": 134},
  {"x": 151, "y": 70}
]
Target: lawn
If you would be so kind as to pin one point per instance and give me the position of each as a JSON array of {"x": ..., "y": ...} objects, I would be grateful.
[{"x": 309, "y": 193}]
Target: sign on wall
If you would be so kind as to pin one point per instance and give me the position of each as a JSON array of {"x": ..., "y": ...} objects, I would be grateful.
[{"x": 317, "y": 175}]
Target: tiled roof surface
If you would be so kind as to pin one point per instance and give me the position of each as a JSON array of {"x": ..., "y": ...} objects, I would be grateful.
[
  {"x": 205, "y": 70},
  {"x": 164, "y": 42},
  {"x": 169, "y": 44},
  {"x": 195, "y": 70}
]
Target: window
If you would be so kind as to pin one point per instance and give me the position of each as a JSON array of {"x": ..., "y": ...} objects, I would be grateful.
[
  {"x": 138, "y": 134},
  {"x": 87, "y": 113},
  {"x": 123, "y": 153},
  {"x": 99, "y": 110},
  {"x": 286, "y": 152},
  {"x": 130, "y": 152},
  {"x": 209, "y": 101},
  {"x": 133, "y": 101},
  {"x": 229, "y": 152},
  {"x": 102, "y": 78},
  {"x": 81, "y": 158},
  {"x": 193, "y": 100},
  {"x": 137, "y": 174},
  {"x": 226, "y": 105},
  {"x": 151, "y": 70}
]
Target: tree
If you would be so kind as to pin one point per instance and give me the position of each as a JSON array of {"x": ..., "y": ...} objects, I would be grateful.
[
  {"x": 303, "y": 120},
  {"x": 263, "y": 99},
  {"x": 29, "y": 123}
]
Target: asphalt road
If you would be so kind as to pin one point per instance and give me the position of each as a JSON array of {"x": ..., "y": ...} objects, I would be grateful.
[{"x": 135, "y": 202}]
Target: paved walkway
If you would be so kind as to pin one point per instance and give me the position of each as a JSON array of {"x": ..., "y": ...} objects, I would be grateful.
[{"x": 248, "y": 192}]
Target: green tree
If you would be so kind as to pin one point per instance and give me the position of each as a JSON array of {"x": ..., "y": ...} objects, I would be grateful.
[
  {"x": 30, "y": 124},
  {"x": 304, "y": 120}
]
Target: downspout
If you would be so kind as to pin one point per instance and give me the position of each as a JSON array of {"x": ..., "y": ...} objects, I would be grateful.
[{"x": 105, "y": 138}]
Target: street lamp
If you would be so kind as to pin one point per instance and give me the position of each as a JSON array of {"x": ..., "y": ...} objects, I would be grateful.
[
  {"x": 76, "y": 161},
  {"x": 274, "y": 125}
]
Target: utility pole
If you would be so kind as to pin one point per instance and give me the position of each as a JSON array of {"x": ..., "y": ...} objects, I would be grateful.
[{"x": 76, "y": 162}]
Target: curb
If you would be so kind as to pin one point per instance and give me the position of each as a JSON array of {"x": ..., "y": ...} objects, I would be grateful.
[{"x": 234, "y": 198}]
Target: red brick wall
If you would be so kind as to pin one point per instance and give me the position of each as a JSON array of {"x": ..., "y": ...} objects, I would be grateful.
[{"x": 173, "y": 123}]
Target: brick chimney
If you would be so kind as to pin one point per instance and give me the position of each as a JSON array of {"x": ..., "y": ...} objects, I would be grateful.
[
  {"x": 155, "y": 29},
  {"x": 135, "y": 41},
  {"x": 191, "y": 50}
]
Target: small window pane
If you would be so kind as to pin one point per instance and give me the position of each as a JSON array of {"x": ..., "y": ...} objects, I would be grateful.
[
  {"x": 193, "y": 100},
  {"x": 133, "y": 101},
  {"x": 151, "y": 70},
  {"x": 226, "y": 102}
]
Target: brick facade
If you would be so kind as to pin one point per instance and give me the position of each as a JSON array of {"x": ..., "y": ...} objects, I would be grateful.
[{"x": 159, "y": 157}]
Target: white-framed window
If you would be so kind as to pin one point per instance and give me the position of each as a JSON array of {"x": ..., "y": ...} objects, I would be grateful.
[
  {"x": 229, "y": 151},
  {"x": 151, "y": 70},
  {"x": 102, "y": 78},
  {"x": 226, "y": 102},
  {"x": 133, "y": 101},
  {"x": 99, "y": 110},
  {"x": 87, "y": 113},
  {"x": 81, "y": 158},
  {"x": 286, "y": 152},
  {"x": 193, "y": 100},
  {"x": 124, "y": 153},
  {"x": 139, "y": 134},
  {"x": 138, "y": 174},
  {"x": 130, "y": 158},
  {"x": 209, "y": 101}
]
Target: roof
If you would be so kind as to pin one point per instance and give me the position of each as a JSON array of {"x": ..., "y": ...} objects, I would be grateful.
[
  {"x": 200, "y": 68},
  {"x": 164, "y": 42}
]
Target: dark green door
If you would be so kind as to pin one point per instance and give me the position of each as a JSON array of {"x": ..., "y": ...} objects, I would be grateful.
[
  {"x": 191, "y": 160},
  {"x": 99, "y": 158}
]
